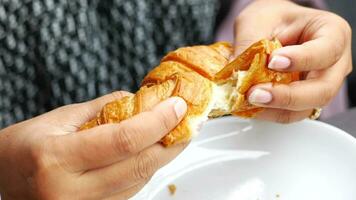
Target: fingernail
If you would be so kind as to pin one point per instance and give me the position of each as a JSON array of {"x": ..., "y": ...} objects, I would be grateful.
[
  {"x": 279, "y": 62},
  {"x": 180, "y": 107},
  {"x": 259, "y": 96}
]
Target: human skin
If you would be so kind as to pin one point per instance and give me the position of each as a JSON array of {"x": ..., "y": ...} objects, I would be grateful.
[
  {"x": 317, "y": 43},
  {"x": 46, "y": 158}
]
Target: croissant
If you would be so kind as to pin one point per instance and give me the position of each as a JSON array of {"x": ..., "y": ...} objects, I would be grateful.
[{"x": 203, "y": 76}]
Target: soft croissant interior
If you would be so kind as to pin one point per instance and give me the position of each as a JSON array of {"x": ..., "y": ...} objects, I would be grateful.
[{"x": 203, "y": 76}]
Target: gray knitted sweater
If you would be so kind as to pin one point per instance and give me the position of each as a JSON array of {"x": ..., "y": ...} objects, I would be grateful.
[{"x": 56, "y": 52}]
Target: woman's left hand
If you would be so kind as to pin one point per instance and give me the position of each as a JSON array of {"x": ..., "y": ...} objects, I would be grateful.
[{"x": 316, "y": 42}]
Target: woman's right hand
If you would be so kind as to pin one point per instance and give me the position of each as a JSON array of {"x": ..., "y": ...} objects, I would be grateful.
[{"x": 46, "y": 158}]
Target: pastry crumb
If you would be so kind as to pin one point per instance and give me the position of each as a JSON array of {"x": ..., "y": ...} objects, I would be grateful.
[{"x": 172, "y": 189}]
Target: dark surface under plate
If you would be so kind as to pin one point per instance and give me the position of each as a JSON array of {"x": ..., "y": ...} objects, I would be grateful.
[{"x": 345, "y": 121}]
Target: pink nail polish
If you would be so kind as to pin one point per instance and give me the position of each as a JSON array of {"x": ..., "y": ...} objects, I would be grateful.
[
  {"x": 259, "y": 96},
  {"x": 180, "y": 107},
  {"x": 279, "y": 62}
]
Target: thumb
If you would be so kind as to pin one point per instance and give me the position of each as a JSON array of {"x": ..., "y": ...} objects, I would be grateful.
[{"x": 110, "y": 143}]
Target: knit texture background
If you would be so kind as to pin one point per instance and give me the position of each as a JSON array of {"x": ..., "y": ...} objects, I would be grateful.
[{"x": 57, "y": 52}]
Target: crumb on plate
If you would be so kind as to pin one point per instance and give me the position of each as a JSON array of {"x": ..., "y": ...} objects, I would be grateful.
[{"x": 172, "y": 189}]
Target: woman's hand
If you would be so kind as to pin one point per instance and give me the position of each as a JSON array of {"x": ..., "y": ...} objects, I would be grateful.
[
  {"x": 46, "y": 158},
  {"x": 318, "y": 43}
]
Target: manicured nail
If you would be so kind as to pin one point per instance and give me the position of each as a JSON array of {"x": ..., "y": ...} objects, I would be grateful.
[
  {"x": 180, "y": 107},
  {"x": 259, "y": 96},
  {"x": 279, "y": 62}
]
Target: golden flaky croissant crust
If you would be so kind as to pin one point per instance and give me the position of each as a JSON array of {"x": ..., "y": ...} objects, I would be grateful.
[{"x": 198, "y": 74}]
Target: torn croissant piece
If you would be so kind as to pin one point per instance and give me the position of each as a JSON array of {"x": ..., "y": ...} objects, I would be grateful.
[
  {"x": 204, "y": 78},
  {"x": 249, "y": 69}
]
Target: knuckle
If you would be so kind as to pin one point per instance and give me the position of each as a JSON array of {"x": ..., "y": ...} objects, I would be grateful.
[
  {"x": 347, "y": 29},
  {"x": 44, "y": 178},
  {"x": 287, "y": 100},
  {"x": 165, "y": 121},
  {"x": 38, "y": 157},
  {"x": 284, "y": 117},
  {"x": 146, "y": 164},
  {"x": 347, "y": 39},
  {"x": 344, "y": 25},
  {"x": 337, "y": 51},
  {"x": 349, "y": 69},
  {"x": 326, "y": 95},
  {"x": 125, "y": 140},
  {"x": 40, "y": 176},
  {"x": 306, "y": 58}
]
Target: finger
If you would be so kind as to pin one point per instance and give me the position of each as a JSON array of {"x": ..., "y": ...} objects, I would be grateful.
[
  {"x": 252, "y": 25},
  {"x": 297, "y": 96},
  {"x": 246, "y": 35},
  {"x": 78, "y": 114},
  {"x": 316, "y": 54},
  {"x": 106, "y": 144},
  {"x": 127, "y": 194},
  {"x": 283, "y": 116},
  {"x": 127, "y": 173},
  {"x": 318, "y": 42},
  {"x": 316, "y": 92}
]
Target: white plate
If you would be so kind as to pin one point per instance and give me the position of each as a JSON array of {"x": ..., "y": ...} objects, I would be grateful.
[{"x": 236, "y": 159}]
